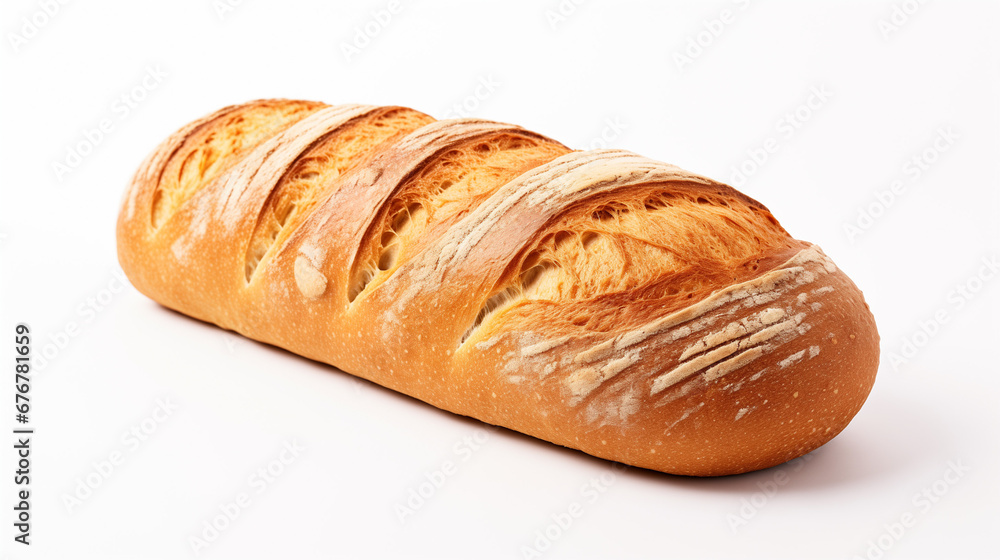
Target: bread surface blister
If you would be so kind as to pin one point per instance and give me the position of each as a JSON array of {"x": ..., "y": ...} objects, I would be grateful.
[{"x": 596, "y": 299}]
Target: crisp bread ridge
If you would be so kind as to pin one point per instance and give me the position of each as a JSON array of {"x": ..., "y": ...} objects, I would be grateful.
[{"x": 596, "y": 299}]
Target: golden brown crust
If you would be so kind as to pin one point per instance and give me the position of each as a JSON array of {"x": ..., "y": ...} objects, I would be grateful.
[{"x": 598, "y": 300}]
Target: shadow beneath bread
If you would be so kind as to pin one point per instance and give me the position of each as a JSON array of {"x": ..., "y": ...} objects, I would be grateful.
[{"x": 886, "y": 437}]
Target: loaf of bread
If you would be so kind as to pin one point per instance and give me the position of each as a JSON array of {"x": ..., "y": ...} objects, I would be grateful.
[{"x": 595, "y": 299}]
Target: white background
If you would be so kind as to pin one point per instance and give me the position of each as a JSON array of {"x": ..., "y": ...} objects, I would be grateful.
[{"x": 929, "y": 425}]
